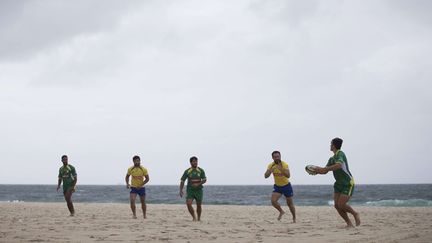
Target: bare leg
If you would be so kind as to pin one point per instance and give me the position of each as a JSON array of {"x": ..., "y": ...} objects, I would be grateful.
[
  {"x": 132, "y": 204},
  {"x": 274, "y": 200},
  {"x": 199, "y": 210},
  {"x": 290, "y": 204},
  {"x": 143, "y": 206},
  {"x": 340, "y": 210},
  {"x": 342, "y": 203},
  {"x": 68, "y": 198},
  {"x": 190, "y": 208}
]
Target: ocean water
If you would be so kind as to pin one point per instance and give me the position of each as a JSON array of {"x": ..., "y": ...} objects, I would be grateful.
[{"x": 407, "y": 195}]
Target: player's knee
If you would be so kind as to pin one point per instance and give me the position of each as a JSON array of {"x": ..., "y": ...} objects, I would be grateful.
[
  {"x": 290, "y": 202},
  {"x": 340, "y": 205}
]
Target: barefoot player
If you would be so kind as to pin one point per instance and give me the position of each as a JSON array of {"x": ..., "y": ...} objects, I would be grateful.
[
  {"x": 282, "y": 186},
  {"x": 344, "y": 185},
  {"x": 194, "y": 190},
  {"x": 138, "y": 174},
  {"x": 67, "y": 175}
]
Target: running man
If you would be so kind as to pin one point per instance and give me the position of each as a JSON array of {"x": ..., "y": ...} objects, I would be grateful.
[
  {"x": 138, "y": 174},
  {"x": 67, "y": 175},
  {"x": 282, "y": 185},
  {"x": 344, "y": 185},
  {"x": 194, "y": 190}
]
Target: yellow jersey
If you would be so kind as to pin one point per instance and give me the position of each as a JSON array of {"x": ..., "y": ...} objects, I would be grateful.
[
  {"x": 138, "y": 174},
  {"x": 279, "y": 178}
]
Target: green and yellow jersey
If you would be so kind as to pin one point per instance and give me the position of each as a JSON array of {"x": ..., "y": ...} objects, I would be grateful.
[
  {"x": 343, "y": 175},
  {"x": 67, "y": 174},
  {"x": 193, "y": 175}
]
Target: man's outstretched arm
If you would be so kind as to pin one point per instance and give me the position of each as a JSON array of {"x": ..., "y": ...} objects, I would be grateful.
[{"x": 325, "y": 170}]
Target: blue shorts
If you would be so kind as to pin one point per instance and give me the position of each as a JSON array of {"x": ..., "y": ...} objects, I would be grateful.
[
  {"x": 286, "y": 190},
  {"x": 139, "y": 191}
]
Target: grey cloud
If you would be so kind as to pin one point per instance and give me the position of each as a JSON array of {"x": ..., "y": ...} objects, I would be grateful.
[
  {"x": 28, "y": 27},
  {"x": 416, "y": 10}
]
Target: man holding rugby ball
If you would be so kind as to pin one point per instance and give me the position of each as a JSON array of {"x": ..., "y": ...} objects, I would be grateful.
[
  {"x": 344, "y": 185},
  {"x": 194, "y": 190}
]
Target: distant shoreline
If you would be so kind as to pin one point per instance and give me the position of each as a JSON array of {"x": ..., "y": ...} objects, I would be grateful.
[{"x": 396, "y": 195}]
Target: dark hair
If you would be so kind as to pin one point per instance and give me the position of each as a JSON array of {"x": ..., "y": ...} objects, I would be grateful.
[
  {"x": 275, "y": 152},
  {"x": 193, "y": 158},
  {"x": 337, "y": 142},
  {"x": 136, "y": 157},
  {"x": 64, "y": 156}
]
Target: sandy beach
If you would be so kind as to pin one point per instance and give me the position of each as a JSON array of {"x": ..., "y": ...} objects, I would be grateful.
[{"x": 50, "y": 222}]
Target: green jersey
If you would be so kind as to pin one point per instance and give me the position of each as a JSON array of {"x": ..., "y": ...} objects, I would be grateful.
[
  {"x": 67, "y": 174},
  {"x": 194, "y": 175},
  {"x": 343, "y": 175}
]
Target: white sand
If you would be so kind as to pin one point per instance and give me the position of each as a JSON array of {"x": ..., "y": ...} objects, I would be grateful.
[{"x": 113, "y": 222}]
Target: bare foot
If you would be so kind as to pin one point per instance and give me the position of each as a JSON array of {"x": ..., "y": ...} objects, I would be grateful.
[
  {"x": 280, "y": 215},
  {"x": 134, "y": 216},
  {"x": 345, "y": 226},
  {"x": 72, "y": 214},
  {"x": 145, "y": 217},
  {"x": 357, "y": 219},
  {"x": 349, "y": 226},
  {"x": 294, "y": 219},
  {"x": 194, "y": 219}
]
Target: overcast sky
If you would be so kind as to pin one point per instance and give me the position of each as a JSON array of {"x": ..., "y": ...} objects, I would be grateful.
[{"x": 227, "y": 81}]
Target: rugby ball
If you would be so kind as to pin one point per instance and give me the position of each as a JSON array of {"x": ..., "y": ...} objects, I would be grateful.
[{"x": 310, "y": 169}]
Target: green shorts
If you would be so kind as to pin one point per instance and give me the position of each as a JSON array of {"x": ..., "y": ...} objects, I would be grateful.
[
  {"x": 346, "y": 189},
  {"x": 196, "y": 194},
  {"x": 67, "y": 187}
]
